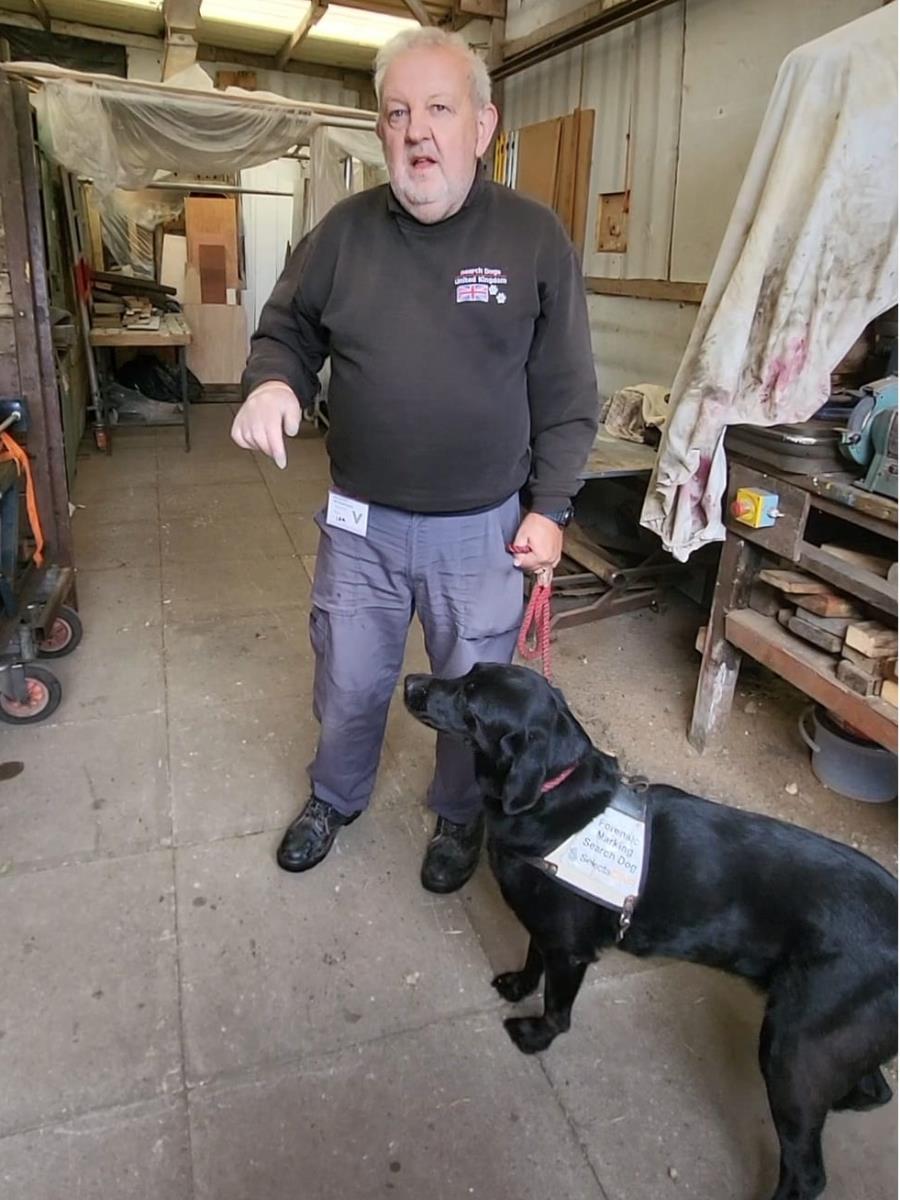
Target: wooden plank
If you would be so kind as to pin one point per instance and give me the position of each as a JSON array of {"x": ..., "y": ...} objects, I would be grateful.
[
  {"x": 566, "y": 169},
  {"x": 6, "y": 308},
  {"x": 219, "y": 350},
  {"x": 20, "y": 203},
  {"x": 765, "y": 599},
  {"x": 584, "y": 159},
  {"x": 646, "y": 289},
  {"x": 716, "y": 682},
  {"x": 862, "y": 584},
  {"x": 829, "y": 604},
  {"x": 174, "y": 331},
  {"x": 211, "y": 261},
  {"x": 883, "y": 668},
  {"x": 538, "y": 159},
  {"x": 839, "y": 489},
  {"x": 579, "y": 547},
  {"x": 793, "y": 583},
  {"x": 493, "y": 9},
  {"x": 314, "y": 14},
  {"x": 831, "y": 642},
  {"x": 212, "y": 219},
  {"x": 9, "y": 364},
  {"x": 889, "y": 692},
  {"x": 812, "y": 672},
  {"x": 872, "y": 639},
  {"x": 856, "y": 680},
  {"x": 867, "y": 562},
  {"x": 611, "y": 456},
  {"x": 837, "y": 625}
]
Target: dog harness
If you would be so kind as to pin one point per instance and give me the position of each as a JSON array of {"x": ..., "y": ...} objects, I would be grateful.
[{"x": 606, "y": 861}]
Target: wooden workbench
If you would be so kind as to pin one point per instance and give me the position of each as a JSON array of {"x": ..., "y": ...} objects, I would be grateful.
[
  {"x": 174, "y": 333},
  {"x": 611, "y": 456},
  {"x": 734, "y": 629}
]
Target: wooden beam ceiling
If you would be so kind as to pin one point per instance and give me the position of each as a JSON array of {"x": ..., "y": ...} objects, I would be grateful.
[
  {"x": 419, "y": 11},
  {"x": 40, "y": 11},
  {"x": 181, "y": 17},
  {"x": 315, "y": 13}
]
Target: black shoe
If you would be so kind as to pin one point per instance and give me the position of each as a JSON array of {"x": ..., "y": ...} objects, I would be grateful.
[
  {"x": 452, "y": 854},
  {"x": 311, "y": 835}
]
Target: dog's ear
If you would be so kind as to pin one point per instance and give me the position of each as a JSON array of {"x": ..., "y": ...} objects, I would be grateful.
[{"x": 523, "y": 765}]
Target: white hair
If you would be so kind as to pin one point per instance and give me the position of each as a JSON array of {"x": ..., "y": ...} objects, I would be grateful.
[{"x": 432, "y": 38}]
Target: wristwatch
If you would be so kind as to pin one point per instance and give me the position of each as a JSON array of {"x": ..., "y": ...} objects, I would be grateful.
[{"x": 563, "y": 517}]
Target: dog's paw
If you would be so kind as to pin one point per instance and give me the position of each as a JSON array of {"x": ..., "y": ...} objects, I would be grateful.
[
  {"x": 530, "y": 1034},
  {"x": 514, "y": 985}
]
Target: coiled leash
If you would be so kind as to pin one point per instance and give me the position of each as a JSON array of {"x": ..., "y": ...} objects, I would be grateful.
[{"x": 534, "y": 636}]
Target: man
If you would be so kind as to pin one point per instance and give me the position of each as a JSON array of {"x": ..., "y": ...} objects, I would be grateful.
[{"x": 453, "y": 311}]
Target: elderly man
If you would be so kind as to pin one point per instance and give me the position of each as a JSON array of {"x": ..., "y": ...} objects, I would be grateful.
[{"x": 462, "y": 385}]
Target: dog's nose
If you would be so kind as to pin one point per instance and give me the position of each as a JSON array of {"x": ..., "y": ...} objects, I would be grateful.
[{"x": 415, "y": 688}]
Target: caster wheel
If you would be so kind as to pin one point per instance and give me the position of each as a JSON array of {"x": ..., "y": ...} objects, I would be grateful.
[
  {"x": 44, "y": 695},
  {"x": 63, "y": 636}
]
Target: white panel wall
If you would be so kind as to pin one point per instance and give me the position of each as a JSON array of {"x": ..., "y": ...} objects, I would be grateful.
[{"x": 637, "y": 341}]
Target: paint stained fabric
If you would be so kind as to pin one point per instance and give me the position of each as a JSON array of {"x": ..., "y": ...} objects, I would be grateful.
[{"x": 808, "y": 260}]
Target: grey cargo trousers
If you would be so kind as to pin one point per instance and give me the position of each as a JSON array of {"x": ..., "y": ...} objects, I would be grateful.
[{"x": 456, "y": 574}]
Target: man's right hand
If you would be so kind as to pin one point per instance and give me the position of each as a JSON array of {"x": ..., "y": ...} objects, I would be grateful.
[{"x": 269, "y": 412}]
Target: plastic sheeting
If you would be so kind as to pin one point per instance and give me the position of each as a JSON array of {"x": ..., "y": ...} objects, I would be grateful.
[
  {"x": 808, "y": 259},
  {"x": 329, "y": 150},
  {"x": 121, "y": 137},
  {"x": 127, "y": 221}
]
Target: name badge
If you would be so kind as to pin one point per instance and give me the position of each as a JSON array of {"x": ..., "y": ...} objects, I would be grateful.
[
  {"x": 346, "y": 513},
  {"x": 606, "y": 860}
]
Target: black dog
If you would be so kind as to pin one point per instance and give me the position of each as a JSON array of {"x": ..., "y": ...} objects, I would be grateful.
[{"x": 811, "y": 922}]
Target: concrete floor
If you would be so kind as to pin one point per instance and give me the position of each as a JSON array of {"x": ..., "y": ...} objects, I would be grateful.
[{"x": 181, "y": 1019}]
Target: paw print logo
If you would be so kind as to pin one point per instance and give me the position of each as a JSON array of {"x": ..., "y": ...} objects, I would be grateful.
[
  {"x": 493, "y": 289},
  {"x": 501, "y": 297}
]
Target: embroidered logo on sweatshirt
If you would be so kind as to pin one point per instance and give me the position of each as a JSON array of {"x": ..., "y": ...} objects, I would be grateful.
[{"x": 480, "y": 285}]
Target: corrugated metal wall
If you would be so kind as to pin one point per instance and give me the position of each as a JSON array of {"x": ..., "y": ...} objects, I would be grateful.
[{"x": 551, "y": 89}]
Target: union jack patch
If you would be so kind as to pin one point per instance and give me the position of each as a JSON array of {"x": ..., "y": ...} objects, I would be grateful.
[{"x": 467, "y": 292}]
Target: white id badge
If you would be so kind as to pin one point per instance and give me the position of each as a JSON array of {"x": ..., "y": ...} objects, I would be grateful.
[
  {"x": 346, "y": 513},
  {"x": 605, "y": 860}
]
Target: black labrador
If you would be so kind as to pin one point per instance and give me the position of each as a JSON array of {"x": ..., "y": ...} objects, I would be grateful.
[{"x": 809, "y": 921}]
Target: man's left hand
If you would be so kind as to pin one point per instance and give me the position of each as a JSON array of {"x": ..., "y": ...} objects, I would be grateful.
[{"x": 544, "y": 540}]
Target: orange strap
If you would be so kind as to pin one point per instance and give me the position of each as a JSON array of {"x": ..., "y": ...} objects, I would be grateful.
[{"x": 12, "y": 450}]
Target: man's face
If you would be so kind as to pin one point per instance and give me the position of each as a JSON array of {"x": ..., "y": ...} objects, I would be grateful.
[{"x": 431, "y": 131}]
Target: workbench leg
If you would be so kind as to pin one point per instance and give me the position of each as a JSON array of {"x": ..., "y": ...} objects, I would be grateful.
[
  {"x": 721, "y": 662},
  {"x": 185, "y": 399}
]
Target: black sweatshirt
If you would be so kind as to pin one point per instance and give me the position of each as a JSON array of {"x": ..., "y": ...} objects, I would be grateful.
[{"x": 461, "y": 364}]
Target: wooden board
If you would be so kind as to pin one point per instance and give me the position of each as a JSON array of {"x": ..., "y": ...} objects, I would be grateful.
[
  {"x": 793, "y": 583},
  {"x": 889, "y": 692},
  {"x": 213, "y": 220},
  {"x": 831, "y": 642},
  {"x": 173, "y": 331},
  {"x": 829, "y": 604},
  {"x": 873, "y": 639},
  {"x": 869, "y": 562},
  {"x": 219, "y": 350},
  {"x": 212, "y": 267},
  {"x": 856, "y": 680},
  {"x": 765, "y": 599},
  {"x": 584, "y": 152},
  {"x": 611, "y": 456},
  {"x": 812, "y": 672},
  {"x": 882, "y": 668},
  {"x": 538, "y": 159}
]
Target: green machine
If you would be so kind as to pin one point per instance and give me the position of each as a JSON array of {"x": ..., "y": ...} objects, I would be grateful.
[{"x": 870, "y": 439}]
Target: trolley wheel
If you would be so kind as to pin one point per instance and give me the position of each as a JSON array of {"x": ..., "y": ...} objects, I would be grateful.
[
  {"x": 63, "y": 636},
  {"x": 44, "y": 695}
]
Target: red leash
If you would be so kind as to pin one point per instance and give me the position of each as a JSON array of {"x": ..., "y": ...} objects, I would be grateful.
[{"x": 534, "y": 636}]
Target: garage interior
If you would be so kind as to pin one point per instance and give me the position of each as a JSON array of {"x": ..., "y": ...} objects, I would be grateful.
[{"x": 179, "y": 1019}]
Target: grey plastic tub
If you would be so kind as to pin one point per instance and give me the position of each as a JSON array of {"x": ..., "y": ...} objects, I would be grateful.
[{"x": 855, "y": 768}]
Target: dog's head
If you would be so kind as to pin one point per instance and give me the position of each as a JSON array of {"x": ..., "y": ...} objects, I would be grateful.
[{"x": 520, "y": 727}]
